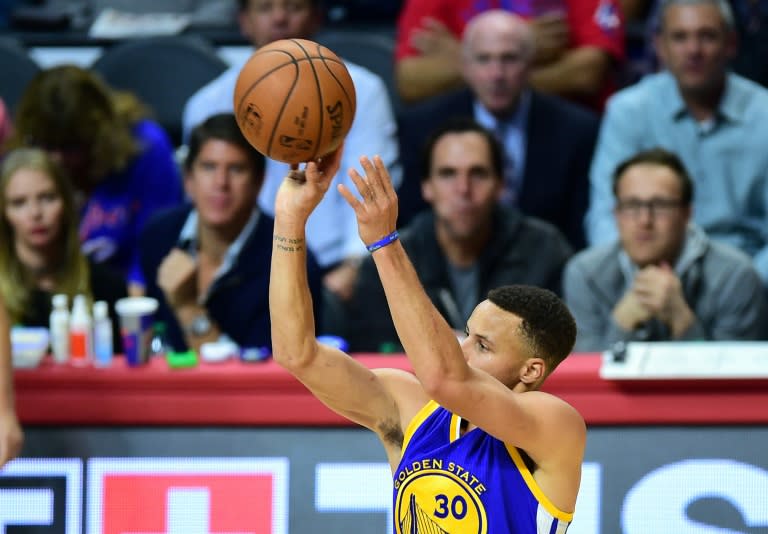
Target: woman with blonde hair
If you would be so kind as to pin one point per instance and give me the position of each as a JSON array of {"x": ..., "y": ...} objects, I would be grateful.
[
  {"x": 120, "y": 162},
  {"x": 39, "y": 246}
]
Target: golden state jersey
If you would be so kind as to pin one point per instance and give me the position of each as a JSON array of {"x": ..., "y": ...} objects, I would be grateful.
[{"x": 466, "y": 484}]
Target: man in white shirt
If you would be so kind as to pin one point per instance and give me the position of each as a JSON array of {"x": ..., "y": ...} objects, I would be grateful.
[{"x": 332, "y": 230}]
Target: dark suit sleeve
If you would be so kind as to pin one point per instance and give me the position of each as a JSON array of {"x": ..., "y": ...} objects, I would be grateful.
[
  {"x": 369, "y": 322},
  {"x": 411, "y": 139}
]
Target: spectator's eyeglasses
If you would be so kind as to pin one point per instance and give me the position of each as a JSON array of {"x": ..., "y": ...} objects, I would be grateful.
[{"x": 661, "y": 207}]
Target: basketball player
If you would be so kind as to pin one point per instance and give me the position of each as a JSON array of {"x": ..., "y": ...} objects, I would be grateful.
[{"x": 473, "y": 445}]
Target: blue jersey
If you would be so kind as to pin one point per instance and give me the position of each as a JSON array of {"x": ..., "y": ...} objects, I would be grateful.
[{"x": 466, "y": 484}]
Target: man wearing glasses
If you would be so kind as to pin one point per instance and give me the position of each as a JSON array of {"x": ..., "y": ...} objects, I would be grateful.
[
  {"x": 664, "y": 279},
  {"x": 713, "y": 119}
]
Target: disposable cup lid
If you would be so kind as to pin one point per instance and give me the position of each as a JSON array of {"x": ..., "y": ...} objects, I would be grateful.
[{"x": 136, "y": 306}]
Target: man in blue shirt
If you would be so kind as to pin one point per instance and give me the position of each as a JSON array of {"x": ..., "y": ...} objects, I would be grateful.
[{"x": 716, "y": 121}]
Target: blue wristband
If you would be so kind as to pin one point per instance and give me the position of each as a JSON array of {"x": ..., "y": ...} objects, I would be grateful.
[{"x": 383, "y": 242}]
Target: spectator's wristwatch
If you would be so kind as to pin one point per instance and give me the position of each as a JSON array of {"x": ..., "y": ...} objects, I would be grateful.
[{"x": 200, "y": 326}]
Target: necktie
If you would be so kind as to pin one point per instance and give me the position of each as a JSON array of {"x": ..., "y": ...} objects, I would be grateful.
[{"x": 509, "y": 195}]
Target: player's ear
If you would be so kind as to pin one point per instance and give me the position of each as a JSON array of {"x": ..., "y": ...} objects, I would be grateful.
[{"x": 532, "y": 371}]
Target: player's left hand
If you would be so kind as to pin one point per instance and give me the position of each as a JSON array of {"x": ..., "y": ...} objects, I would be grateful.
[
  {"x": 377, "y": 211},
  {"x": 302, "y": 190}
]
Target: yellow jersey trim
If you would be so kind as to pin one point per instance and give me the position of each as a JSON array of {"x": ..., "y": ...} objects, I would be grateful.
[
  {"x": 534, "y": 487},
  {"x": 455, "y": 427},
  {"x": 416, "y": 422}
]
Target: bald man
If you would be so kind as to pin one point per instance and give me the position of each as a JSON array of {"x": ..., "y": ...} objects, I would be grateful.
[
  {"x": 497, "y": 51},
  {"x": 579, "y": 44}
]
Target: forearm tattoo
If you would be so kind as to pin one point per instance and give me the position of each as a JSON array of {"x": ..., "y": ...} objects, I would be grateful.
[{"x": 288, "y": 244}]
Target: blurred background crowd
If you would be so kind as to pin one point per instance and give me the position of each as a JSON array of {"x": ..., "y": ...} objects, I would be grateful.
[{"x": 613, "y": 151}]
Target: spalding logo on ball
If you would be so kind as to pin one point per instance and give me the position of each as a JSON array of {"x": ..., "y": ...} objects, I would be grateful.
[{"x": 294, "y": 100}]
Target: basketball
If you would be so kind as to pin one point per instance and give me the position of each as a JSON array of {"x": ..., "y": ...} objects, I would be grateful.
[{"x": 294, "y": 100}]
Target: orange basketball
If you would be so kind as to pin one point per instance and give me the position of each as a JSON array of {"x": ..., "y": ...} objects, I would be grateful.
[{"x": 294, "y": 100}]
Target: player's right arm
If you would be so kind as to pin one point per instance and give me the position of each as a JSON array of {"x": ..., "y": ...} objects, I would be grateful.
[{"x": 345, "y": 385}]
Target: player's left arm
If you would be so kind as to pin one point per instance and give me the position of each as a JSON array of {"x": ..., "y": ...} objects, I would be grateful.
[{"x": 526, "y": 420}]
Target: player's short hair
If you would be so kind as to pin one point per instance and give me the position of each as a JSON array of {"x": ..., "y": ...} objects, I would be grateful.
[
  {"x": 662, "y": 158},
  {"x": 546, "y": 322},
  {"x": 222, "y": 127},
  {"x": 459, "y": 125}
]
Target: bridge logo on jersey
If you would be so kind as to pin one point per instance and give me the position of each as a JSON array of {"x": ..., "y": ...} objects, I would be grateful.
[{"x": 439, "y": 501}]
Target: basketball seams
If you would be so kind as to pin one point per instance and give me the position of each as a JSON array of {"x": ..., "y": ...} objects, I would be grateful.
[
  {"x": 319, "y": 96},
  {"x": 341, "y": 85},
  {"x": 268, "y": 73},
  {"x": 283, "y": 105},
  {"x": 350, "y": 97},
  {"x": 268, "y": 110}
]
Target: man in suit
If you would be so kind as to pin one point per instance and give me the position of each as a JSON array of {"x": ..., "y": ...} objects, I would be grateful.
[
  {"x": 207, "y": 262},
  {"x": 548, "y": 142}
]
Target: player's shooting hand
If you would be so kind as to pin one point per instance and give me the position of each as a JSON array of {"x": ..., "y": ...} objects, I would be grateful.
[
  {"x": 551, "y": 35},
  {"x": 376, "y": 212},
  {"x": 434, "y": 39},
  {"x": 177, "y": 277},
  {"x": 303, "y": 189},
  {"x": 11, "y": 436}
]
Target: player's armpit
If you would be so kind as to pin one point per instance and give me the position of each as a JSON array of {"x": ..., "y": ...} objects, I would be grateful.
[{"x": 354, "y": 391}]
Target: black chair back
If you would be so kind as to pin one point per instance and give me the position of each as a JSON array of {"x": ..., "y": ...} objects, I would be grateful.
[
  {"x": 373, "y": 50},
  {"x": 17, "y": 69},
  {"x": 163, "y": 72}
]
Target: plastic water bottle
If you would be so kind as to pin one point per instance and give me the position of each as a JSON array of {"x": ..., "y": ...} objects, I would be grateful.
[
  {"x": 58, "y": 327},
  {"x": 80, "y": 334},
  {"x": 102, "y": 335}
]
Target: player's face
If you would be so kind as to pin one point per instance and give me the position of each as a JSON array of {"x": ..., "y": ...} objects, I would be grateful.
[
  {"x": 33, "y": 209},
  {"x": 462, "y": 187},
  {"x": 495, "y": 66},
  {"x": 649, "y": 214},
  {"x": 493, "y": 343},
  {"x": 223, "y": 185},
  {"x": 265, "y": 21},
  {"x": 695, "y": 46}
]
